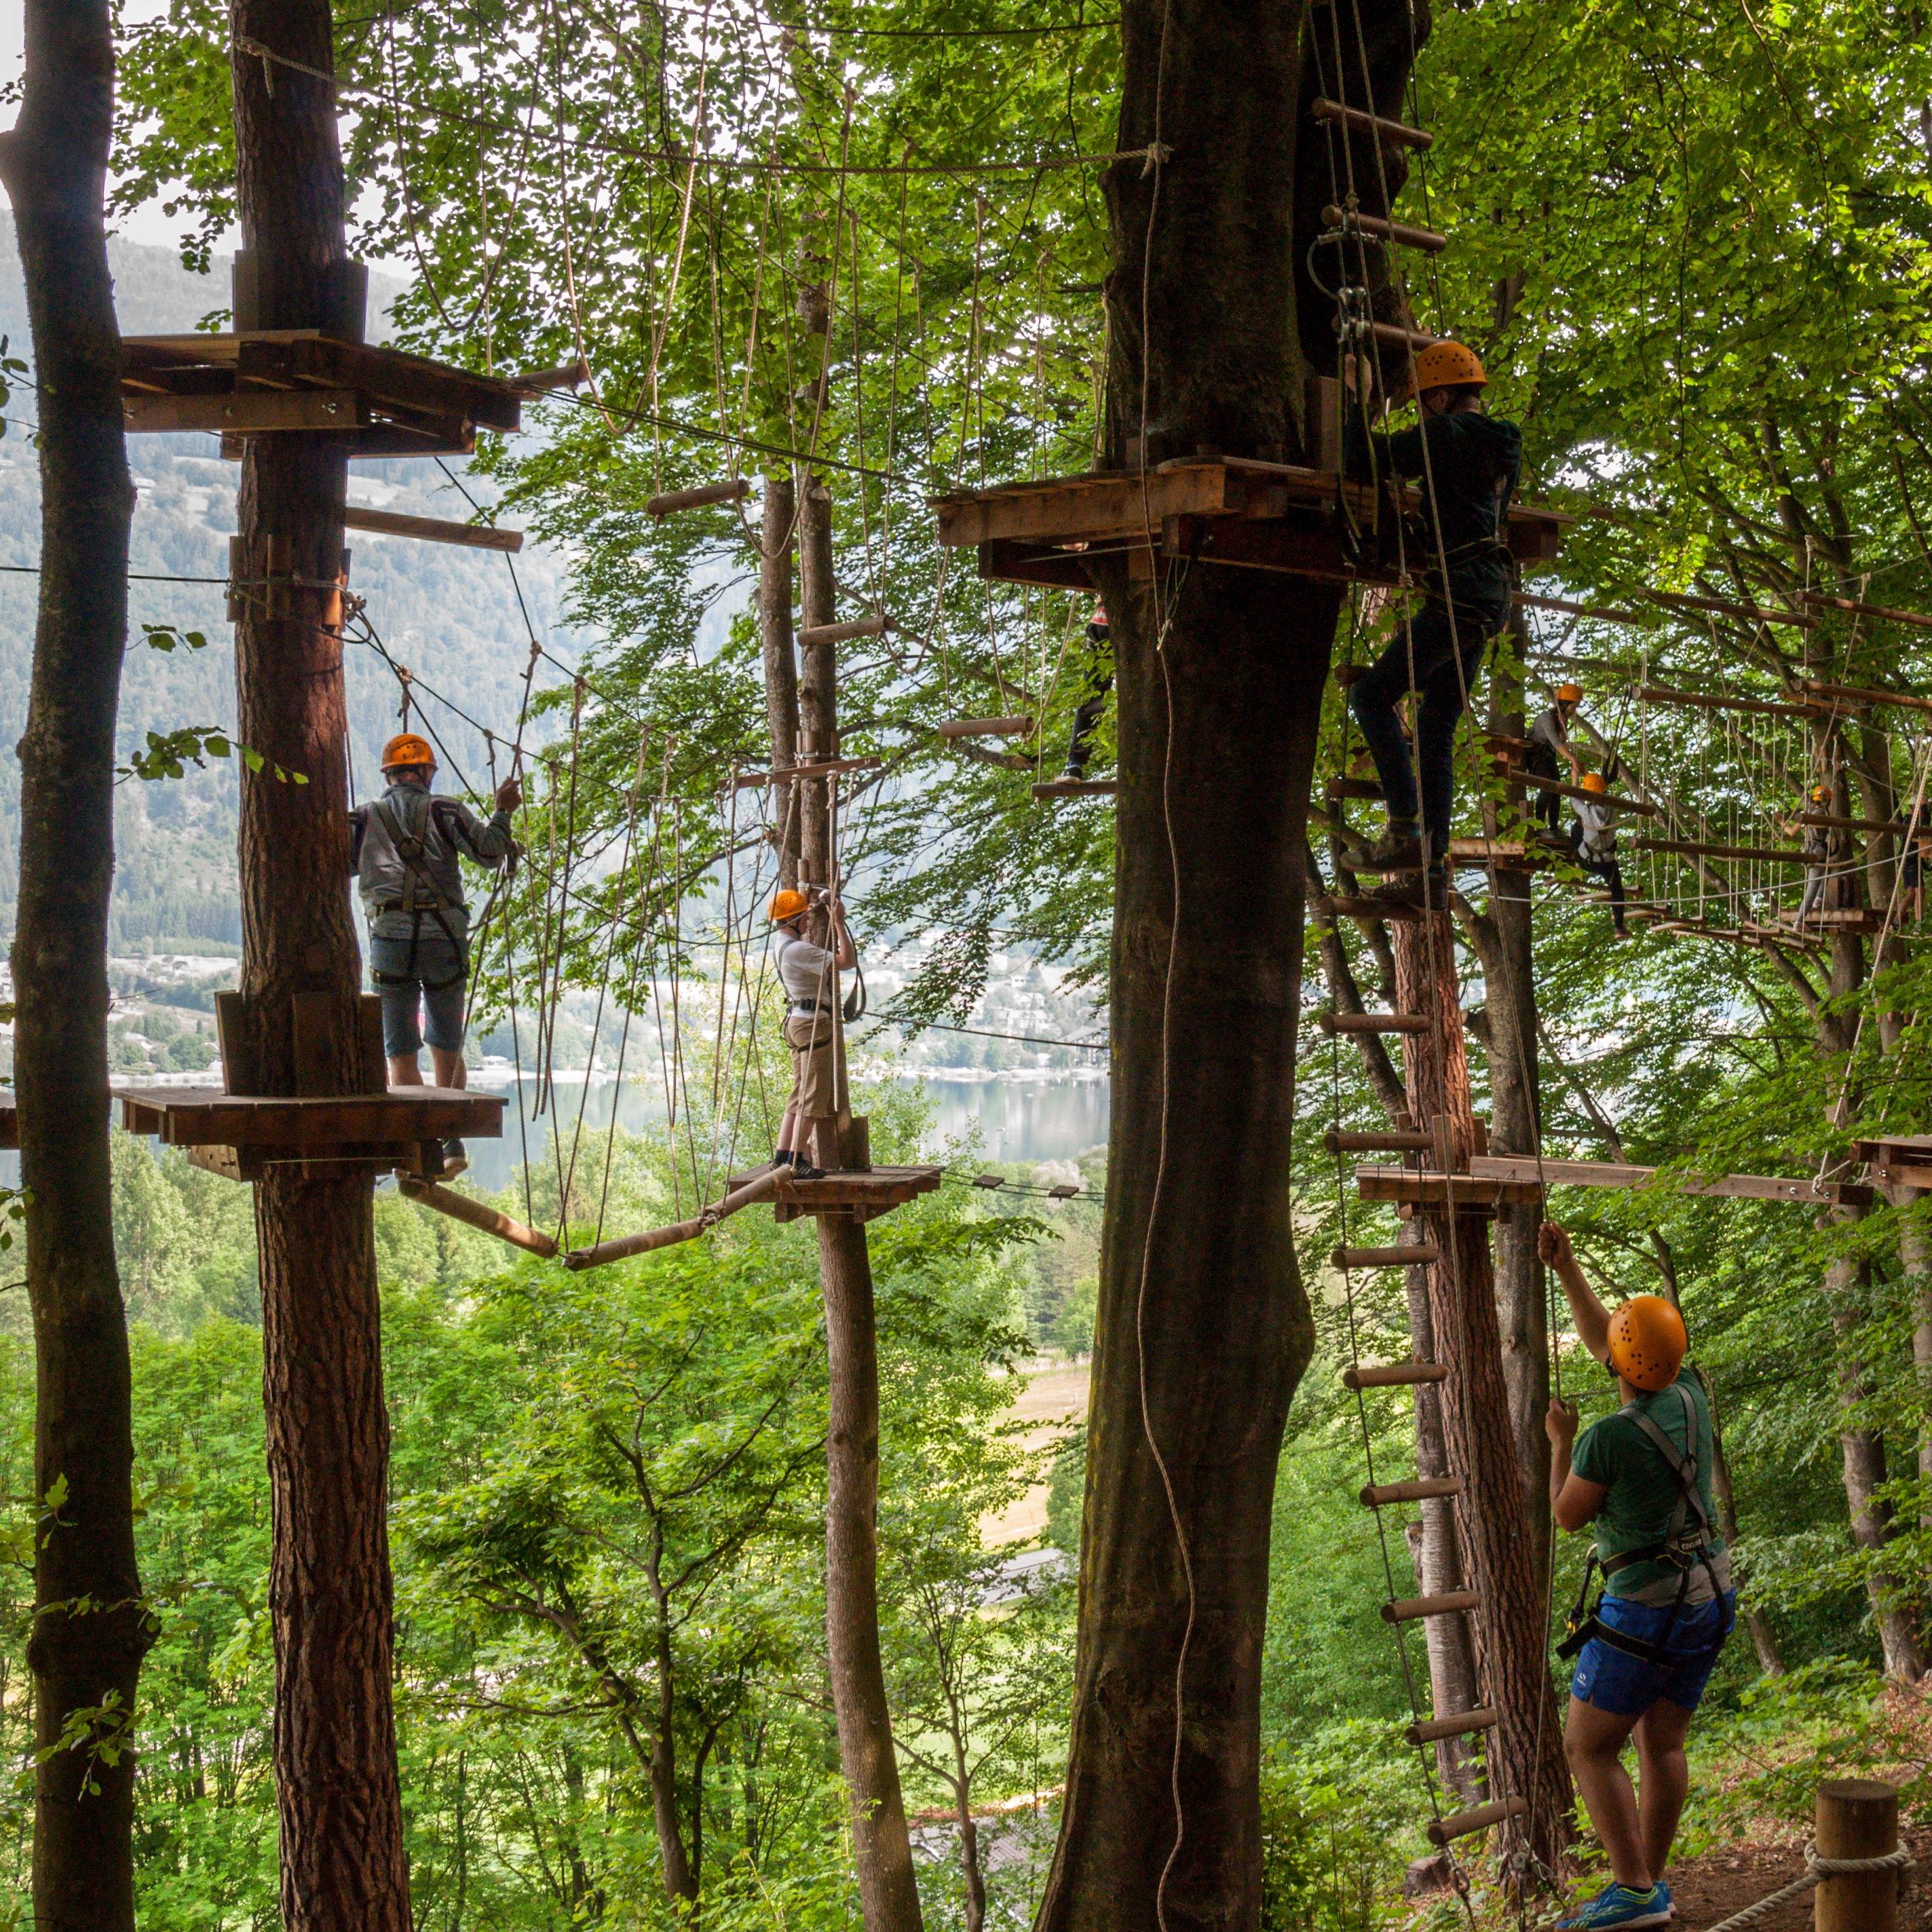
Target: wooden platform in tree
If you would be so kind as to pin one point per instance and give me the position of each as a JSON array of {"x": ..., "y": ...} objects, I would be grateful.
[
  {"x": 1804, "y": 1191},
  {"x": 238, "y": 1135},
  {"x": 384, "y": 402},
  {"x": 1407, "y": 1187},
  {"x": 861, "y": 1195},
  {"x": 1227, "y": 510}
]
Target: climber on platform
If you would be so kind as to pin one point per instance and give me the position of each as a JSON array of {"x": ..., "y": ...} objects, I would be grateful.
[
  {"x": 1467, "y": 462},
  {"x": 405, "y": 849},
  {"x": 1814, "y": 841},
  {"x": 1099, "y": 681},
  {"x": 807, "y": 970},
  {"x": 1641, "y": 1478},
  {"x": 1593, "y": 842},
  {"x": 1550, "y": 740}
]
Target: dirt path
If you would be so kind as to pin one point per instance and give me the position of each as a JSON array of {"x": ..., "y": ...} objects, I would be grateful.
[{"x": 1710, "y": 1888}]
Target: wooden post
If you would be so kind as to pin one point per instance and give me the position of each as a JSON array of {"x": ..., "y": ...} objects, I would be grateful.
[
  {"x": 1492, "y": 1518},
  {"x": 1857, "y": 1818},
  {"x": 329, "y": 1590}
]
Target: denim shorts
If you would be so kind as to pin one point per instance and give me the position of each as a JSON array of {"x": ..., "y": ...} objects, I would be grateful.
[
  {"x": 1626, "y": 1686},
  {"x": 422, "y": 999}
]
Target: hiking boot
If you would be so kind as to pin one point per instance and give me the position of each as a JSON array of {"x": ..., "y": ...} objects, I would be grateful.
[
  {"x": 455, "y": 1160},
  {"x": 1616, "y": 1905},
  {"x": 803, "y": 1170},
  {"x": 1398, "y": 850},
  {"x": 1076, "y": 773}
]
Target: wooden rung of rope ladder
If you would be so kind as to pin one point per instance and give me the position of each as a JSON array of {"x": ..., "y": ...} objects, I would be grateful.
[
  {"x": 1075, "y": 788},
  {"x": 1658, "y": 693},
  {"x": 1445, "y": 1603},
  {"x": 476, "y": 1214},
  {"x": 1427, "y": 1730},
  {"x": 1346, "y": 221},
  {"x": 1826, "y": 820},
  {"x": 1345, "y": 675},
  {"x": 1394, "y": 1375},
  {"x": 846, "y": 633},
  {"x": 1635, "y": 806},
  {"x": 1335, "y": 1023},
  {"x": 1774, "y": 855},
  {"x": 986, "y": 728},
  {"x": 817, "y": 768},
  {"x": 1391, "y": 337},
  {"x": 1395, "y": 132},
  {"x": 1460, "y": 1825},
  {"x": 1389, "y": 1141},
  {"x": 1380, "y": 1496},
  {"x": 673, "y": 500},
  {"x": 1415, "y": 1255}
]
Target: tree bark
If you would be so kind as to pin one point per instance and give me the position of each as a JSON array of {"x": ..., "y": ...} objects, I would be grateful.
[
  {"x": 1204, "y": 1327},
  {"x": 888, "y": 1893},
  {"x": 818, "y": 685},
  {"x": 776, "y": 539},
  {"x": 1528, "y": 1760},
  {"x": 342, "y": 1858},
  {"x": 85, "y": 1668}
]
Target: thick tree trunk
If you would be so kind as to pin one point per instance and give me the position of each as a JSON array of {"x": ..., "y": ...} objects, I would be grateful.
[
  {"x": 817, "y": 684},
  {"x": 1204, "y": 1327},
  {"x": 1492, "y": 1514},
  {"x": 54, "y": 162},
  {"x": 888, "y": 1893},
  {"x": 343, "y": 1864},
  {"x": 776, "y": 539}
]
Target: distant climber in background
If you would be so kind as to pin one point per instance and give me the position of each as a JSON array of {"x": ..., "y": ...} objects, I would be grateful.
[
  {"x": 1814, "y": 841},
  {"x": 1098, "y": 682},
  {"x": 807, "y": 969},
  {"x": 405, "y": 849},
  {"x": 1593, "y": 841},
  {"x": 1467, "y": 461},
  {"x": 1550, "y": 740},
  {"x": 1641, "y": 1478}
]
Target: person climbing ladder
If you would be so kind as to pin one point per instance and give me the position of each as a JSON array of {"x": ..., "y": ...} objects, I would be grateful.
[
  {"x": 1641, "y": 1478},
  {"x": 1550, "y": 740},
  {"x": 1467, "y": 461},
  {"x": 807, "y": 969},
  {"x": 405, "y": 850},
  {"x": 1593, "y": 843},
  {"x": 1098, "y": 682}
]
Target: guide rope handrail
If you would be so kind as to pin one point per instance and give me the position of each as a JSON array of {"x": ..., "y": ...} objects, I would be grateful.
[{"x": 1816, "y": 1868}]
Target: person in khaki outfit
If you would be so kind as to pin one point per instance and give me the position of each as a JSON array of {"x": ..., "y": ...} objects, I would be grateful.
[{"x": 807, "y": 970}]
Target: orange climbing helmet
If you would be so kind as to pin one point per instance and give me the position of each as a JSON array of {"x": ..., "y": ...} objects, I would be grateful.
[
  {"x": 1648, "y": 1341},
  {"x": 788, "y": 905},
  {"x": 406, "y": 748},
  {"x": 1448, "y": 365},
  {"x": 1821, "y": 794},
  {"x": 1595, "y": 782},
  {"x": 1569, "y": 694}
]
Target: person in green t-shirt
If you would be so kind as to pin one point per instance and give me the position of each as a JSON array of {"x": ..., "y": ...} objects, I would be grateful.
[{"x": 1641, "y": 1479}]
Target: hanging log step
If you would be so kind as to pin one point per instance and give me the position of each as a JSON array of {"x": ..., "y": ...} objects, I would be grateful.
[
  {"x": 1380, "y": 1496},
  {"x": 1074, "y": 788},
  {"x": 1414, "y": 1254},
  {"x": 1446, "y": 1604},
  {"x": 1347, "y": 220},
  {"x": 1826, "y": 820},
  {"x": 817, "y": 768},
  {"x": 986, "y": 728},
  {"x": 844, "y": 633},
  {"x": 1660, "y": 694},
  {"x": 1428, "y": 1729},
  {"x": 674, "y": 500},
  {"x": 1391, "y": 337},
  {"x": 1774, "y": 855},
  {"x": 1395, "y": 132},
  {"x": 1394, "y": 1375},
  {"x": 1388, "y": 1142},
  {"x": 476, "y": 1214},
  {"x": 1461, "y": 1824},
  {"x": 431, "y": 529},
  {"x": 1635, "y": 806},
  {"x": 1345, "y": 675},
  {"x": 1342, "y": 906},
  {"x": 1335, "y": 1023}
]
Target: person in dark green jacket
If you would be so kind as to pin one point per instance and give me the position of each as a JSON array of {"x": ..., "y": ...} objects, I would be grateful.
[{"x": 1467, "y": 462}]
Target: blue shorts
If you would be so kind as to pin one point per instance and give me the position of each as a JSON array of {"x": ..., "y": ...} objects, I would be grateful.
[
  {"x": 1626, "y": 1686},
  {"x": 423, "y": 998}
]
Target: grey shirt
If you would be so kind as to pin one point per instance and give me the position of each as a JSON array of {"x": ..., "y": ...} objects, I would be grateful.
[{"x": 400, "y": 887}]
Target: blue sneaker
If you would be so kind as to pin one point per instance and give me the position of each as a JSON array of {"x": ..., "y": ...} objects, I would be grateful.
[{"x": 1617, "y": 1906}]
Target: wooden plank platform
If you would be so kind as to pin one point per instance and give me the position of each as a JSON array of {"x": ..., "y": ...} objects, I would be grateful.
[
  {"x": 861, "y": 1194},
  {"x": 1524, "y": 1168},
  {"x": 260, "y": 381},
  {"x": 206, "y": 1117},
  {"x": 1474, "y": 1190},
  {"x": 1229, "y": 510}
]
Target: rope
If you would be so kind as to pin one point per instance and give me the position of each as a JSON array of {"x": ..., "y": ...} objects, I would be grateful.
[{"x": 1816, "y": 1868}]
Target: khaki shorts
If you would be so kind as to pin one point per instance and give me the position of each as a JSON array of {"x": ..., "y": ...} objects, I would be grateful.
[{"x": 810, "y": 1037}]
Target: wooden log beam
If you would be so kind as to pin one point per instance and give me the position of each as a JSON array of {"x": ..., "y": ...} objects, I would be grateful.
[
  {"x": 1635, "y": 806},
  {"x": 1661, "y": 694},
  {"x": 566, "y": 376},
  {"x": 674, "y": 500},
  {"x": 1445, "y": 1603},
  {"x": 1463, "y": 1824},
  {"x": 845, "y": 633},
  {"x": 1692, "y": 848},
  {"x": 1461, "y": 1725},
  {"x": 1405, "y": 1186},
  {"x": 820, "y": 768},
  {"x": 1675, "y": 600},
  {"x": 1332, "y": 1023},
  {"x": 1604, "y": 613},
  {"x": 1388, "y": 1140},
  {"x": 762, "y": 1188},
  {"x": 1383, "y": 1496},
  {"x": 1917, "y": 619},
  {"x": 1414, "y": 1255},
  {"x": 432, "y": 530},
  {"x": 1398, "y": 132},
  {"x": 476, "y": 1214},
  {"x": 1393, "y": 1375},
  {"x": 1858, "y": 694},
  {"x": 986, "y": 727},
  {"x": 1073, "y": 788}
]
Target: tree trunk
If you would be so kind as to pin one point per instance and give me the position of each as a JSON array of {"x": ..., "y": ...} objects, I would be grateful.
[
  {"x": 680, "y": 1882},
  {"x": 1764, "y": 1638},
  {"x": 1528, "y": 1760},
  {"x": 1204, "y": 1327},
  {"x": 817, "y": 686},
  {"x": 776, "y": 537},
  {"x": 1915, "y": 1257},
  {"x": 888, "y": 1893},
  {"x": 969, "y": 1862},
  {"x": 342, "y": 1858},
  {"x": 54, "y": 163},
  {"x": 1863, "y": 1451}
]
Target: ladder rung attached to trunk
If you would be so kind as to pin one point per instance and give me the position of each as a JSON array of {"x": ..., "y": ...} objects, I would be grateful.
[
  {"x": 1427, "y": 1731},
  {"x": 1397, "y": 131},
  {"x": 1394, "y": 1375},
  {"x": 1353, "y": 788},
  {"x": 1400, "y": 232},
  {"x": 1379, "y": 1495},
  {"x": 1374, "y": 1023},
  {"x": 1415, "y": 1256},
  {"x": 1406, "y": 1609},
  {"x": 1389, "y": 1141},
  {"x": 1462, "y": 1823}
]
